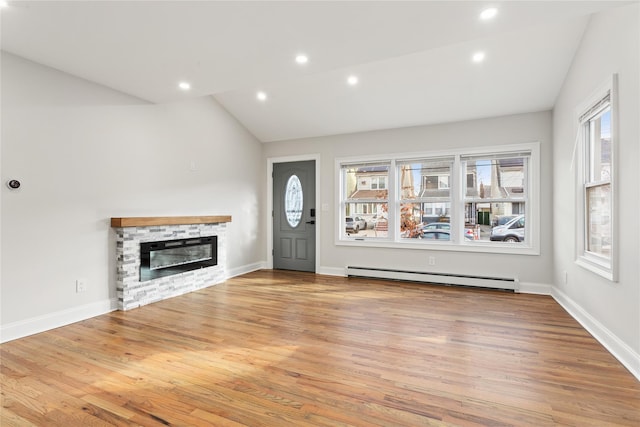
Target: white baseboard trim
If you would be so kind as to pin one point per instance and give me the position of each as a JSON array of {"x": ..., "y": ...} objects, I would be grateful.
[
  {"x": 621, "y": 351},
  {"x": 535, "y": 288},
  {"x": 35, "y": 325},
  {"x": 331, "y": 271},
  {"x": 239, "y": 271}
]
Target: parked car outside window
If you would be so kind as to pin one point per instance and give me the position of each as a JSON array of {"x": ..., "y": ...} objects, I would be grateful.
[
  {"x": 440, "y": 231},
  {"x": 468, "y": 233},
  {"x": 502, "y": 219},
  {"x": 436, "y": 235},
  {"x": 436, "y": 226},
  {"x": 512, "y": 231},
  {"x": 354, "y": 224}
]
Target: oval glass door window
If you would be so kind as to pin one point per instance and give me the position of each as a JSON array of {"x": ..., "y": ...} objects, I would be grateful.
[{"x": 293, "y": 201}]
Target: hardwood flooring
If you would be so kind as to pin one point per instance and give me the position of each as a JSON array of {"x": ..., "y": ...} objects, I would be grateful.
[{"x": 275, "y": 348}]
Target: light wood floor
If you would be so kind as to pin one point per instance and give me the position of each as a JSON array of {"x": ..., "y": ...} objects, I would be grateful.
[{"x": 296, "y": 349}]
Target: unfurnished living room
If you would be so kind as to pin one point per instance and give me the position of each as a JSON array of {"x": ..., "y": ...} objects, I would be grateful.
[{"x": 320, "y": 213}]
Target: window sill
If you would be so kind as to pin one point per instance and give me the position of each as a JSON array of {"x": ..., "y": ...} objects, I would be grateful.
[
  {"x": 599, "y": 268},
  {"x": 477, "y": 246}
]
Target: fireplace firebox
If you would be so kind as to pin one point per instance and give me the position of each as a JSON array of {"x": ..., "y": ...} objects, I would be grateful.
[{"x": 168, "y": 257}]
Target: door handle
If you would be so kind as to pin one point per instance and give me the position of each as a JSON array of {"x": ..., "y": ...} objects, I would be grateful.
[{"x": 311, "y": 222}]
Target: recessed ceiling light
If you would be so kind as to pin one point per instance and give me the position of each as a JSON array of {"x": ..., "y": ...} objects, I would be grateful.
[
  {"x": 352, "y": 80},
  {"x": 262, "y": 96},
  {"x": 184, "y": 85},
  {"x": 488, "y": 13},
  {"x": 478, "y": 57},
  {"x": 302, "y": 59}
]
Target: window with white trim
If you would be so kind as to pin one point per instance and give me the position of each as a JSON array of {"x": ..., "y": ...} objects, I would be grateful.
[
  {"x": 425, "y": 197},
  {"x": 365, "y": 199},
  {"x": 496, "y": 195},
  {"x": 596, "y": 240},
  {"x": 483, "y": 199},
  {"x": 378, "y": 182}
]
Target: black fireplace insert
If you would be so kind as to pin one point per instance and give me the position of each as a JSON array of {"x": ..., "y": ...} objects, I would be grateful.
[{"x": 168, "y": 257}]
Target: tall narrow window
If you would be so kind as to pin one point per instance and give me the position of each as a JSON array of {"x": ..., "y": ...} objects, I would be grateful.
[
  {"x": 596, "y": 237},
  {"x": 365, "y": 196},
  {"x": 496, "y": 196},
  {"x": 425, "y": 198}
]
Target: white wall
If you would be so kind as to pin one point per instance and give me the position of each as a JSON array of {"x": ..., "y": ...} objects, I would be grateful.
[
  {"x": 611, "y": 44},
  {"x": 478, "y": 133},
  {"x": 84, "y": 154}
]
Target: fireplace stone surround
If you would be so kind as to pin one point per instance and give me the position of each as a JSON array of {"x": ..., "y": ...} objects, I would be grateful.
[{"x": 130, "y": 232}]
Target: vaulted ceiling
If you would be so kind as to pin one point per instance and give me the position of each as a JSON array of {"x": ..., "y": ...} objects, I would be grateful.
[{"x": 413, "y": 60}]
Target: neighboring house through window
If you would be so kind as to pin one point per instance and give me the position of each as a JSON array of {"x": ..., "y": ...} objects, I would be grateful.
[
  {"x": 425, "y": 195},
  {"x": 364, "y": 187},
  {"x": 501, "y": 190}
]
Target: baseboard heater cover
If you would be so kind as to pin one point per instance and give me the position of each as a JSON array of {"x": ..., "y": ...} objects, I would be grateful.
[{"x": 511, "y": 284}]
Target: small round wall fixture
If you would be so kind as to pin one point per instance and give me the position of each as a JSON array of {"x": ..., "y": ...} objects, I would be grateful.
[{"x": 13, "y": 184}]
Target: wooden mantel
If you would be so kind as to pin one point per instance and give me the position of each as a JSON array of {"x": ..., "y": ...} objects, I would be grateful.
[{"x": 167, "y": 220}]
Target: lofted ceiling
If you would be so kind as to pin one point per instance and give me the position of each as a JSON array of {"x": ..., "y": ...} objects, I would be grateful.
[{"x": 412, "y": 59}]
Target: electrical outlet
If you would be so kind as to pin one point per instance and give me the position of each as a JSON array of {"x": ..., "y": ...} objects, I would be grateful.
[
  {"x": 81, "y": 285},
  {"x": 432, "y": 260},
  {"x": 566, "y": 277}
]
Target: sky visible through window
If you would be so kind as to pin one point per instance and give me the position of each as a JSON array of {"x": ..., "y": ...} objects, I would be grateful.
[
  {"x": 605, "y": 125},
  {"x": 483, "y": 169}
]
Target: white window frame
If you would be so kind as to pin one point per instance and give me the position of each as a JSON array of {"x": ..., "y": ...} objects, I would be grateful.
[
  {"x": 591, "y": 107},
  {"x": 342, "y": 199},
  {"x": 531, "y": 245},
  {"x": 398, "y": 163},
  {"x": 443, "y": 187},
  {"x": 491, "y": 200}
]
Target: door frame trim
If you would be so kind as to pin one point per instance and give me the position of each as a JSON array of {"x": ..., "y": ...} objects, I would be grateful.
[{"x": 269, "y": 218}]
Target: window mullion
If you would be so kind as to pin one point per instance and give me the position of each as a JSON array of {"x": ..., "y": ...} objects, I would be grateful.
[
  {"x": 597, "y": 183},
  {"x": 393, "y": 207},
  {"x": 527, "y": 206},
  {"x": 457, "y": 200}
]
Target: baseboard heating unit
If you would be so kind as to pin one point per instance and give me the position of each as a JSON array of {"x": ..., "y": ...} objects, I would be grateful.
[{"x": 503, "y": 283}]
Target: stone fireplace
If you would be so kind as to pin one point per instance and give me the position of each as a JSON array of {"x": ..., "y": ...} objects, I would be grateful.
[{"x": 163, "y": 257}]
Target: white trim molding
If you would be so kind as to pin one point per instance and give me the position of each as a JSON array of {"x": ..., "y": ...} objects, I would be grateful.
[
  {"x": 332, "y": 271},
  {"x": 535, "y": 288},
  {"x": 620, "y": 350},
  {"x": 38, "y": 324},
  {"x": 35, "y": 325},
  {"x": 244, "y": 269}
]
